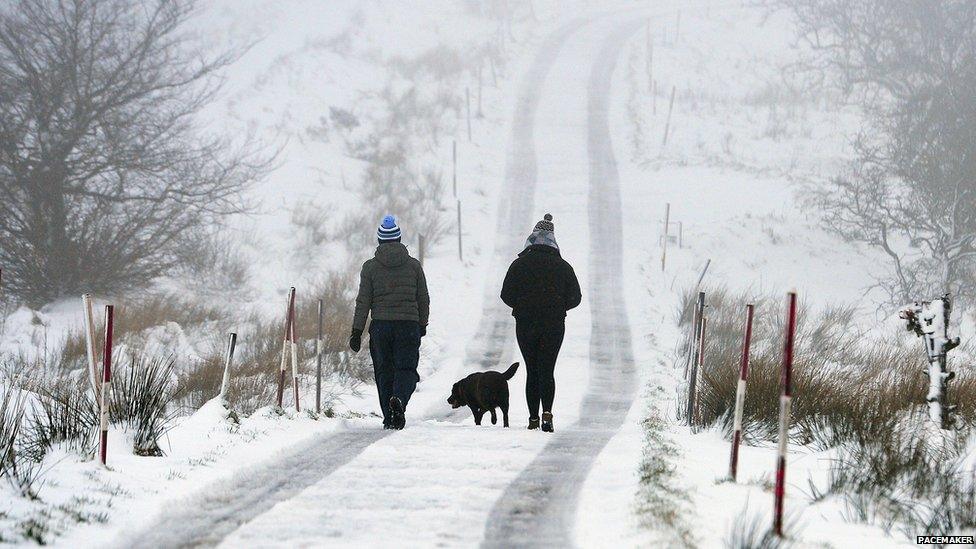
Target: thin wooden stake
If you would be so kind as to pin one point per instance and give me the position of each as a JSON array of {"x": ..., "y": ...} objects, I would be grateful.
[
  {"x": 106, "y": 383},
  {"x": 786, "y": 380},
  {"x": 699, "y": 368},
  {"x": 460, "y": 247},
  {"x": 740, "y": 395},
  {"x": 228, "y": 364},
  {"x": 664, "y": 246},
  {"x": 667, "y": 123},
  {"x": 318, "y": 361}
]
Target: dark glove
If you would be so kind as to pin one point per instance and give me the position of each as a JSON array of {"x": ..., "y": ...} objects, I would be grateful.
[
  {"x": 423, "y": 331},
  {"x": 356, "y": 340}
]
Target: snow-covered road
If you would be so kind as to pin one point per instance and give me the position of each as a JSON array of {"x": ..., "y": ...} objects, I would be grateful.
[
  {"x": 441, "y": 482},
  {"x": 538, "y": 507}
]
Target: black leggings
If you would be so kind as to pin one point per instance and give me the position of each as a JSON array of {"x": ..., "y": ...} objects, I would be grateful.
[{"x": 540, "y": 341}]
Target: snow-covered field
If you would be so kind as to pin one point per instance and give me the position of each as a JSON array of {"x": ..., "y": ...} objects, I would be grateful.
[{"x": 741, "y": 148}]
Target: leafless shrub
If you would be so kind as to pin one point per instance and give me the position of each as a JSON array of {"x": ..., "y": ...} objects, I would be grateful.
[{"x": 214, "y": 262}]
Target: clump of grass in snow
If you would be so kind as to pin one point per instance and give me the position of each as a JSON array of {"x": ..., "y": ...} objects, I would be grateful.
[
  {"x": 143, "y": 392},
  {"x": 661, "y": 502},
  {"x": 755, "y": 532}
]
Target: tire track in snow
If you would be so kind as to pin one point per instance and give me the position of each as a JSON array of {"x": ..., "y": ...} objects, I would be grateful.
[
  {"x": 205, "y": 520},
  {"x": 538, "y": 508}
]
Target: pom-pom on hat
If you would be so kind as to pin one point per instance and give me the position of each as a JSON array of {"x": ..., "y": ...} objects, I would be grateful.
[
  {"x": 388, "y": 230},
  {"x": 545, "y": 224}
]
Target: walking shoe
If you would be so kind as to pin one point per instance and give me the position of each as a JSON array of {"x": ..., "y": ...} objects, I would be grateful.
[
  {"x": 386, "y": 424},
  {"x": 533, "y": 423},
  {"x": 397, "y": 419},
  {"x": 547, "y": 422}
]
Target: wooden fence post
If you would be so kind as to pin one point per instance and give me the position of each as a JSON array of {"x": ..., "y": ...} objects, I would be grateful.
[
  {"x": 664, "y": 246},
  {"x": 318, "y": 361},
  {"x": 740, "y": 395},
  {"x": 285, "y": 346},
  {"x": 695, "y": 332},
  {"x": 228, "y": 363},
  {"x": 784, "y": 412},
  {"x": 460, "y": 247},
  {"x": 106, "y": 383},
  {"x": 667, "y": 123},
  {"x": 696, "y": 370}
]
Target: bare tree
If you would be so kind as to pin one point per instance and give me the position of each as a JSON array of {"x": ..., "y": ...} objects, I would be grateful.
[
  {"x": 102, "y": 166},
  {"x": 911, "y": 65}
]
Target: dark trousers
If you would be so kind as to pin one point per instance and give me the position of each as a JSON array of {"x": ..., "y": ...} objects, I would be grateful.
[
  {"x": 394, "y": 346},
  {"x": 540, "y": 340}
]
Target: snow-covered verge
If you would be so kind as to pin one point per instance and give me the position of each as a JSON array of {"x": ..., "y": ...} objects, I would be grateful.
[{"x": 743, "y": 144}]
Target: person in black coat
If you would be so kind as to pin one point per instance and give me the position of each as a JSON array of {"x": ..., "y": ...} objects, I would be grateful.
[{"x": 540, "y": 287}]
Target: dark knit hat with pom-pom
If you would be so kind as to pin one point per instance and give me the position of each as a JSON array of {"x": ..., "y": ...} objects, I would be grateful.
[{"x": 545, "y": 224}]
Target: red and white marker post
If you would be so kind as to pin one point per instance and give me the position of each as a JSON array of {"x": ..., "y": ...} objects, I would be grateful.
[
  {"x": 286, "y": 346},
  {"x": 784, "y": 412},
  {"x": 94, "y": 376},
  {"x": 294, "y": 350},
  {"x": 740, "y": 395},
  {"x": 106, "y": 382}
]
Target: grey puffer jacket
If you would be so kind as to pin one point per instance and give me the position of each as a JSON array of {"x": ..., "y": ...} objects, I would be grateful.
[{"x": 392, "y": 286}]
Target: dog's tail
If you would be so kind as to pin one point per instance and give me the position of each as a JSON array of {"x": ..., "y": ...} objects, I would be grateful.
[{"x": 510, "y": 372}]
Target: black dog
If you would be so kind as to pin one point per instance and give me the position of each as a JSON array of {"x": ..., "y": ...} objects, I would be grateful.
[{"x": 483, "y": 392}]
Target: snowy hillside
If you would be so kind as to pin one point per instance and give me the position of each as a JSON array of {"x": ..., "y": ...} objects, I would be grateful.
[{"x": 602, "y": 114}]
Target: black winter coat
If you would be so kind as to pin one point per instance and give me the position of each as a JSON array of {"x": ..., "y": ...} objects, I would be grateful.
[{"x": 540, "y": 285}]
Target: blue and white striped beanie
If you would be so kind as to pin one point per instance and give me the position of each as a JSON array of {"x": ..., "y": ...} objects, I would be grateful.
[{"x": 388, "y": 230}]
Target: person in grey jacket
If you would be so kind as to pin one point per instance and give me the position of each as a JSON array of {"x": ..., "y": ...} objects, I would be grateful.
[{"x": 393, "y": 291}]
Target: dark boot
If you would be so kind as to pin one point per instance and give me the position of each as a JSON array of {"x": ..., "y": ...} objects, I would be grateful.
[
  {"x": 397, "y": 418},
  {"x": 547, "y": 422},
  {"x": 533, "y": 423}
]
